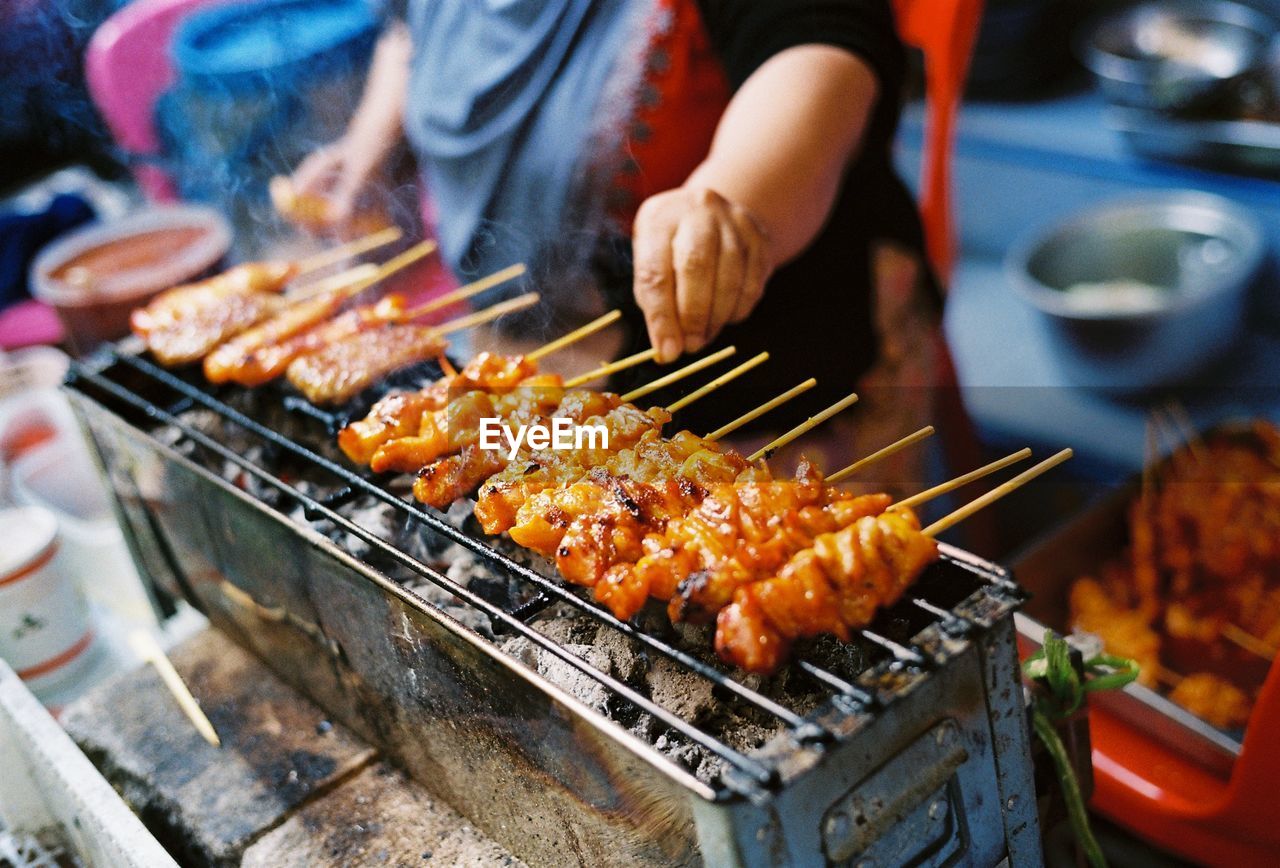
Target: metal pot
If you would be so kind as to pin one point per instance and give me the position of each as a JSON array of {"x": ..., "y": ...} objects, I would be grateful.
[
  {"x": 1142, "y": 292},
  {"x": 1170, "y": 55}
]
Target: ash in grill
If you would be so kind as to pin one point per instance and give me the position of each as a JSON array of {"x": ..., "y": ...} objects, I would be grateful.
[{"x": 660, "y": 728}]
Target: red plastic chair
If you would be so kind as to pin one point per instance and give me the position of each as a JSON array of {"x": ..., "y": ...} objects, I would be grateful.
[
  {"x": 944, "y": 30},
  {"x": 127, "y": 67}
]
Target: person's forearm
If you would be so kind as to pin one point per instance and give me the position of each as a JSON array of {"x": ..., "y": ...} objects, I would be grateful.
[
  {"x": 786, "y": 139},
  {"x": 379, "y": 117}
]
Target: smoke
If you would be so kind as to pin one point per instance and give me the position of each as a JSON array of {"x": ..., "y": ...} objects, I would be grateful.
[{"x": 44, "y": 105}]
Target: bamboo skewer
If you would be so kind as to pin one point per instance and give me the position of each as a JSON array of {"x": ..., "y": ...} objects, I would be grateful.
[
  {"x": 963, "y": 480},
  {"x": 1246, "y": 640},
  {"x": 804, "y": 427},
  {"x": 576, "y": 335},
  {"x": 352, "y": 276},
  {"x": 959, "y": 515},
  {"x": 1182, "y": 421},
  {"x": 881, "y": 454},
  {"x": 612, "y": 367},
  {"x": 719, "y": 381},
  {"x": 767, "y": 406},
  {"x": 502, "y": 308},
  {"x": 146, "y": 647},
  {"x": 463, "y": 292},
  {"x": 1168, "y": 676},
  {"x": 372, "y": 241},
  {"x": 675, "y": 376},
  {"x": 396, "y": 263}
]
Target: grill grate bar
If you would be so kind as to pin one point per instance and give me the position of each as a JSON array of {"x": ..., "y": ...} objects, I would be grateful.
[
  {"x": 759, "y": 772},
  {"x": 899, "y": 651},
  {"x": 860, "y": 695},
  {"x": 355, "y": 480},
  {"x": 950, "y": 620}
]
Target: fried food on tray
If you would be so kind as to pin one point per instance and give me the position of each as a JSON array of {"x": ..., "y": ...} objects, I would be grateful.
[
  {"x": 835, "y": 586},
  {"x": 192, "y": 299},
  {"x": 1124, "y": 631},
  {"x": 1213, "y": 699},
  {"x": 347, "y": 367},
  {"x": 1203, "y": 564}
]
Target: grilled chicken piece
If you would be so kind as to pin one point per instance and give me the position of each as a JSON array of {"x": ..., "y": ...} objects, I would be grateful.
[
  {"x": 347, "y": 367},
  {"x": 191, "y": 299},
  {"x": 450, "y": 429},
  {"x": 191, "y": 338},
  {"x": 399, "y": 414},
  {"x": 644, "y": 487},
  {"x": 835, "y": 586},
  {"x": 264, "y": 352},
  {"x": 741, "y": 532},
  {"x": 501, "y": 497}
]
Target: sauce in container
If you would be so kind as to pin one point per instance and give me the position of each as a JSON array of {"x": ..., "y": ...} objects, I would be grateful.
[
  {"x": 129, "y": 253},
  {"x": 95, "y": 276}
]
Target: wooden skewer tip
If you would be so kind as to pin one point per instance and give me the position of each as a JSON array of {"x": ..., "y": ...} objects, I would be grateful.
[
  {"x": 677, "y": 375},
  {"x": 768, "y": 406},
  {"x": 805, "y": 427},
  {"x": 996, "y": 493}
]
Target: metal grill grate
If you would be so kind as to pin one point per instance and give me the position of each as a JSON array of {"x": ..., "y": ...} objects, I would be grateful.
[{"x": 890, "y": 643}]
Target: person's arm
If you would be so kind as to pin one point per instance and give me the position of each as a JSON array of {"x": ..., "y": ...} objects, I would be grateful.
[
  {"x": 342, "y": 170},
  {"x": 703, "y": 251}
]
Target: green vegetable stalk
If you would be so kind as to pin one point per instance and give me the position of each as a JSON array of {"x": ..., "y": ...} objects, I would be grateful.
[{"x": 1060, "y": 691}]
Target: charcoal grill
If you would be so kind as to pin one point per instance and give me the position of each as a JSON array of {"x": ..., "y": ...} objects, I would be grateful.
[{"x": 915, "y": 751}]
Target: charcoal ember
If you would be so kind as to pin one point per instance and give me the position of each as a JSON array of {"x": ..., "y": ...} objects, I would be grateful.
[
  {"x": 578, "y": 684},
  {"x": 680, "y": 691}
]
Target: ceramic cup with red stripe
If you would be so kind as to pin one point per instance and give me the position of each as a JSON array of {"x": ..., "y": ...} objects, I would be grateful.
[{"x": 44, "y": 623}]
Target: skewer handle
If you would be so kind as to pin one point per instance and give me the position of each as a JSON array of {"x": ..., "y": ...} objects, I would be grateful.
[
  {"x": 674, "y": 376},
  {"x": 948, "y": 521},
  {"x": 612, "y": 367},
  {"x": 962, "y": 480},
  {"x": 464, "y": 292},
  {"x": 771, "y": 404},
  {"x": 880, "y": 454},
  {"x": 576, "y": 335},
  {"x": 805, "y": 427},
  {"x": 372, "y": 241},
  {"x": 719, "y": 381},
  {"x": 502, "y": 308},
  {"x": 356, "y": 276},
  {"x": 146, "y": 647}
]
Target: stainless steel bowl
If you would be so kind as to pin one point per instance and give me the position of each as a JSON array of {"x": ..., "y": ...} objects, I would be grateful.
[
  {"x": 1169, "y": 55},
  {"x": 1142, "y": 292}
]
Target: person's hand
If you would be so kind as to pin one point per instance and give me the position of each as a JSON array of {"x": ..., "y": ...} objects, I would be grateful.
[
  {"x": 701, "y": 262},
  {"x": 340, "y": 175}
]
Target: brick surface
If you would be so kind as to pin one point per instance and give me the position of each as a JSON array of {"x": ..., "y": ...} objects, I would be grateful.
[
  {"x": 379, "y": 817},
  {"x": 206, "y": 804}
]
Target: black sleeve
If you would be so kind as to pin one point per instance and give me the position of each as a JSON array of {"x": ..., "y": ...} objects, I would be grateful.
[{"x": 746, "y": 33}]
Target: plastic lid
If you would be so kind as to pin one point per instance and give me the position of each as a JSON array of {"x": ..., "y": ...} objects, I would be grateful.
[
  {"x": 25, "y": 533},
  {"x": 251, "y": 37}
]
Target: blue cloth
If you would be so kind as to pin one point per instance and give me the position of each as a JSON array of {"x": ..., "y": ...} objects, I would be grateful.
[
  {"x": 501, "y": 106},
  {"x": 22, "y": 236}
]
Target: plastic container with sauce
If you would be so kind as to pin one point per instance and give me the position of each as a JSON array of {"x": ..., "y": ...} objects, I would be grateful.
[
  {"x": 50, "y": 466},
  {"x": 45, "y": 631},
  {"x": 95, "y": 276}
]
